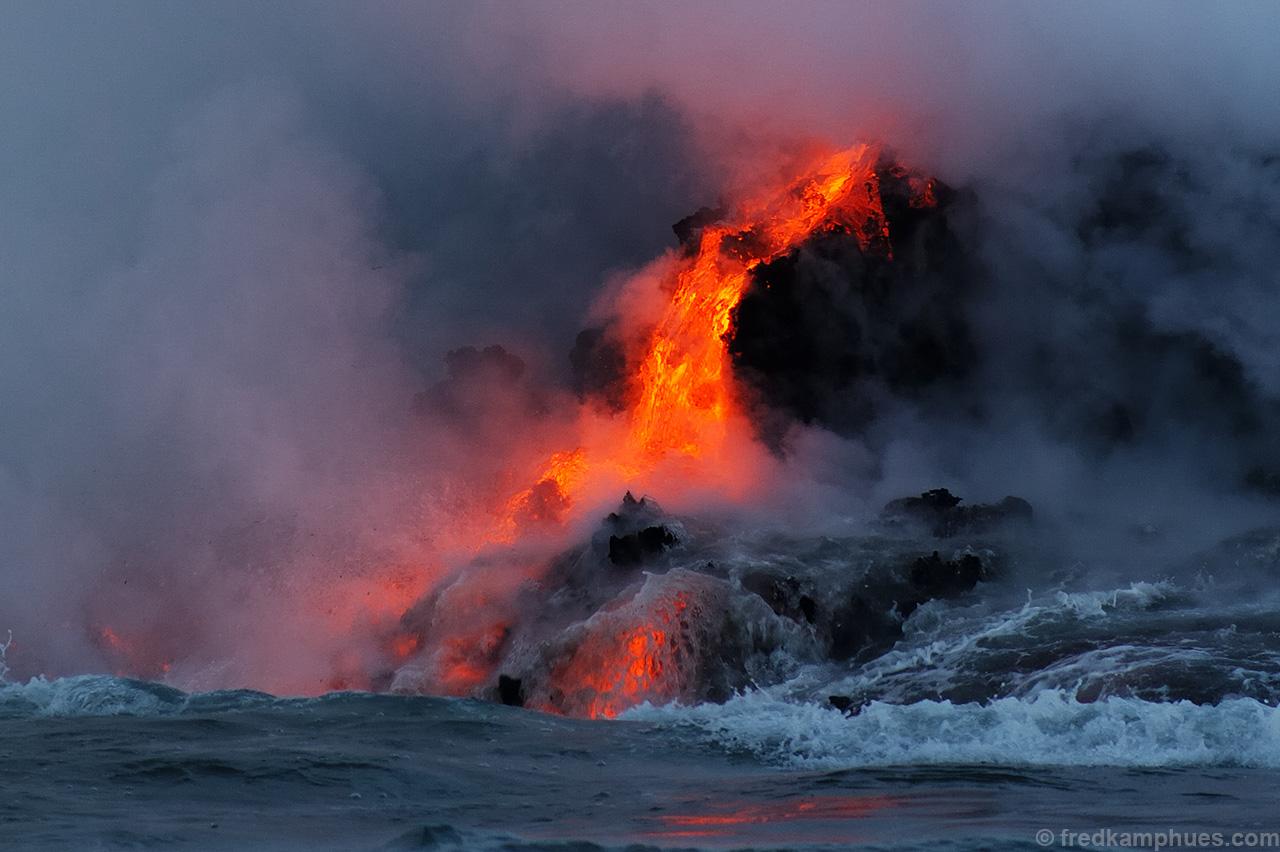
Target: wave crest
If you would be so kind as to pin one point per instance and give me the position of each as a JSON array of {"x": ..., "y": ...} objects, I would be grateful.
[{"x": 1048, "y": 729}]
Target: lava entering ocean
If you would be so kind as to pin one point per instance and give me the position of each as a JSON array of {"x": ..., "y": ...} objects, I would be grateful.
[
  {"x": 682, "y": 427},
  {"x": 683, "y": 415}
]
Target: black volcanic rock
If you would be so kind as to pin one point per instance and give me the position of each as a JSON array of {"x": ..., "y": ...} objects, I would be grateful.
[
  {"x": 473, "y": 378},
  {"x": 935, "y": 502},
  {"x": 823, "y": 331},
  {"x": 637, "y": 547},
  {"x": 633, "y": 514},
  {"x": 864, "y": 623},
  {"x": 870, "y": 619},
  {"x": 510, "y": 691},
  {"x": 598, "y": 364},
  {"x": 824, "y": 601},
  {"x": 784, "y": 595},
  {"x": 938, "y": 578},
  {"x": 847, "y": 705},
  {"x": 689, "y": 229},
  {"x": 637, "y": 532},
  {"x": 940, "y": 513}
]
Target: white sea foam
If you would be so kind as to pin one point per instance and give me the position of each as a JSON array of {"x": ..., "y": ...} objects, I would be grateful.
[
  {"x": 1049, "y": 729},
  {"x": 1139, "y": 595},
  {"x": 942, "y": 643},
  {"x": 88, "y": 695}
]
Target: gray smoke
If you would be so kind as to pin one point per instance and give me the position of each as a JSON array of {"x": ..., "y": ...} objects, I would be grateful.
[{"x": 236, "y": 243}]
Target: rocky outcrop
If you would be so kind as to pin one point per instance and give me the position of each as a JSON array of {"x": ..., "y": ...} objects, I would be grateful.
[
  {"x": 940, "y": 514},
  {"x": 648, "y": 610}
]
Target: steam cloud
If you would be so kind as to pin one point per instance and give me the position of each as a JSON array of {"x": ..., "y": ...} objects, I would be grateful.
[{"x": 236, "y": 244}]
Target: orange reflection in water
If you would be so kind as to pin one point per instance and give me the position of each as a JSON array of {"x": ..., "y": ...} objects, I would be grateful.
[{"x": 803, "y": 817}]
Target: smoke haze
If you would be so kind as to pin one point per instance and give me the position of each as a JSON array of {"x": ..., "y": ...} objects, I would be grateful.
[{"x": 236, "y": 244}]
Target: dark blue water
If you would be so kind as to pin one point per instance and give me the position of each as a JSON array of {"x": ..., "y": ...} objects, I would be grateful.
[
  {"x": 100, "y": 763},
  {"x": 1068, "y": 703}
]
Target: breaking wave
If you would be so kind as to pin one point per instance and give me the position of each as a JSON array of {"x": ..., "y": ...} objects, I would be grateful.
[
  {"x": 1142, "y": 676},
  {"x": 105, "y": 695},
  {"x": 1051, "y": 728}
]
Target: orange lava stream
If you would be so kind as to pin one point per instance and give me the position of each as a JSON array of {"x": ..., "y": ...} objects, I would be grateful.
[
  {"x": 684, "y": 398},
  {"x": 632, "y": 667},
  {"x": 683, "y": 407}
]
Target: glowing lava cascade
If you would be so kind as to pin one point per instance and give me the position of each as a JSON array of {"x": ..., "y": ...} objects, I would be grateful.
[
  {"x": 682, "y": 430},
  {"x": 683, "y": 418},
  {"x": 683, "y": 398}
]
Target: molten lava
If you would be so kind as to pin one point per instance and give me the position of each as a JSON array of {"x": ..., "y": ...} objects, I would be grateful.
[
  {"x": 683, "y": 396},
  {"x": 683, "y": 405},
  {"x": 682, "y": 425},
  {"x": 629, "y": 668}
]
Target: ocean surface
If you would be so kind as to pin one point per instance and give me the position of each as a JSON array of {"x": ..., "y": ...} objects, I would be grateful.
[{"x": 1147, "y": 708}]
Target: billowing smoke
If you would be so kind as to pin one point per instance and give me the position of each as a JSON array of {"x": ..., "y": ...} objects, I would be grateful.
[
  {"x": 237, "y": 249},
  {"x": 245, "y": 252}
]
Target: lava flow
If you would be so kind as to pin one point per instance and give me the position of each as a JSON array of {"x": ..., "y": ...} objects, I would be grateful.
[
  {"x": 683, "y": 426},
  {"x": 629, "y": 665},
  {"x": 682, "y": 395},
  {"x": 683, "y": 408}
]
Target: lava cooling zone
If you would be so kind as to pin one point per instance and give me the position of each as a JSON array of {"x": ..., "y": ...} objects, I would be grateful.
[{"x": 821, "y": 287}]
